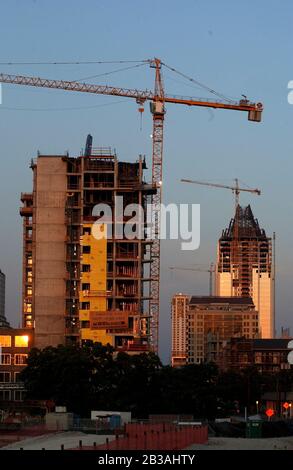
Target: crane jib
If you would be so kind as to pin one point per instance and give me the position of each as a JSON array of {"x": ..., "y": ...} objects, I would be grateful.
[{"x": 254, "y": 109}]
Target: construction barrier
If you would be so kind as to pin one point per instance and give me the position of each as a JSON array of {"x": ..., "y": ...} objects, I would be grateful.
[{"x": 158, "y": 436}]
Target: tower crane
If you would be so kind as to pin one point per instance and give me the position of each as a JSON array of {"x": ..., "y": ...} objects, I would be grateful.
[
  {"x": 210, "y": 270},
  {"x": 157, "y": 99},
  {"x": 235, "y": 189}
]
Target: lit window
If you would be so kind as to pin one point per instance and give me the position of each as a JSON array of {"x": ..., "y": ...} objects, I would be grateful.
[
  {"x": 27, "y": 308},
  {"x": 21, "y": 341},
  {"x": 5, "y": 341}
]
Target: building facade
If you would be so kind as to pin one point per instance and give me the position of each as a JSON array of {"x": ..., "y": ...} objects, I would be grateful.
[
  {"x": 179, "y": 308},
  {"x": 14, "y": 348},
  {"x": 202, "y": 324},
  {"x": 83, "y": 278},
  {"x": 268, "y": 355},
  {"x": 244, "y": 266}
]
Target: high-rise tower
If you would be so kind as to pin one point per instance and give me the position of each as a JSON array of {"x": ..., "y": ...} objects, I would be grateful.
[
  {"x": 244, "y": 266},
  {"x": 77, "y": 285}
]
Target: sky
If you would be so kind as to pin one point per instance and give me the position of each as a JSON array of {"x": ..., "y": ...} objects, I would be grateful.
[{"x": 233, "y": 47}]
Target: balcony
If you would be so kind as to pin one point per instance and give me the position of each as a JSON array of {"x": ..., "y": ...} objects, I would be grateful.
[
  {"x": 98, "y": 184},
  {"x": 26, "y": 211},
  {"x": 97, "y": 293},
  {"x": 26, "y": 197},
  {"x": 98, "y": 165}
]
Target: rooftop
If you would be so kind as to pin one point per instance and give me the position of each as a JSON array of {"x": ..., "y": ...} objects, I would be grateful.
[
  {"x": 195, "y": 300},
  {"x": 248, "y": 226}
]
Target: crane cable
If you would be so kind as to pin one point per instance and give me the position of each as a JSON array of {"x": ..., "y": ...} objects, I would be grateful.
[
  {"x": 109, "y": 73},
  {"x": 89, "y": 62},
  {"x": 210, "y": 90}
]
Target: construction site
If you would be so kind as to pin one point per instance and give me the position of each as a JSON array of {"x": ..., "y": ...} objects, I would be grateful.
[
  {"x": 108, "y": 290},
  {"x": 77, "y": 286}
]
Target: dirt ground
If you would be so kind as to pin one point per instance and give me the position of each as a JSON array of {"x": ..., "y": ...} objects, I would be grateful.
[
  {"x": 71, "y": 440},
  {"x": 54, "y": 441},
  {"x": 233, "y": 443}
]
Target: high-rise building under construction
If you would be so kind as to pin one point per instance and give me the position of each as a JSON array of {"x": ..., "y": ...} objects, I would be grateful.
[
  {"x": 83, "y": 279},
  {"x": 245, "y": 268}
]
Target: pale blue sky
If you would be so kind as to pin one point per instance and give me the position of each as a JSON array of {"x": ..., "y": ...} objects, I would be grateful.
[{"x": 234, "y": 47}]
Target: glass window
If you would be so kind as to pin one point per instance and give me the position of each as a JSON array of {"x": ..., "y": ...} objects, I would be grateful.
[
  {"x": 16, "y": 376},
  {"x": 18, "y": 395},
  {"x": 20, "y": 359},
  {"x": 5, "y": 341},
  {"x": 86, "y": 268},
  {"x": 5, "y": 359},
  {"x": 85, "y": 305},
  {"x": 4, "y": 376},
  {"x": 86, "y": 249},
  {"x": 21, "y": 341},
  {"x": 5, "y": 395}
]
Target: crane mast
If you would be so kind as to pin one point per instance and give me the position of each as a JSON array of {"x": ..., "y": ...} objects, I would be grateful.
[{"x": 157, "y": 99}]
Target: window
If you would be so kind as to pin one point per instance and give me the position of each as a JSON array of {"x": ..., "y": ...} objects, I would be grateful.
[
  {"x": 5, "y": 395},
  {"x": 5, "y": 359},
  {"x": 18, "y": 395},
  {"x": 86, "y": 230},
  {"x": 4, "y": 377},
  {"x": 85, "y": 305},
  {"x": 27, "y": 308},
  {"x": 86, "y": 286},
  {"x": 86, "y": 268},
  {"x": 5, "y": 341},
  {"x": 16, "y": 377},
  {"x": 86, "y": 249},
  {"x": 21, "y": 341},
  {"x": 20, "y": 359}
]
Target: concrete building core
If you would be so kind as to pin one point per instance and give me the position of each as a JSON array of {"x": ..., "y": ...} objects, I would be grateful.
[
  {"x": 244, "y": 266},
  {"x": 78, "y": 286}
]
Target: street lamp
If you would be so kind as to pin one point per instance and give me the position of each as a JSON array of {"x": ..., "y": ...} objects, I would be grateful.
[
  {"x": 256, "y": 406},
  {"x": 290, "y": 410}
]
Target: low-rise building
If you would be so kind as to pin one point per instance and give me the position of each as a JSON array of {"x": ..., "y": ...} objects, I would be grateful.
[
  {"x": 268, "y": 355},
  {"x": 200, "y": 325},
  {"x": 14, "y": 349}
]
